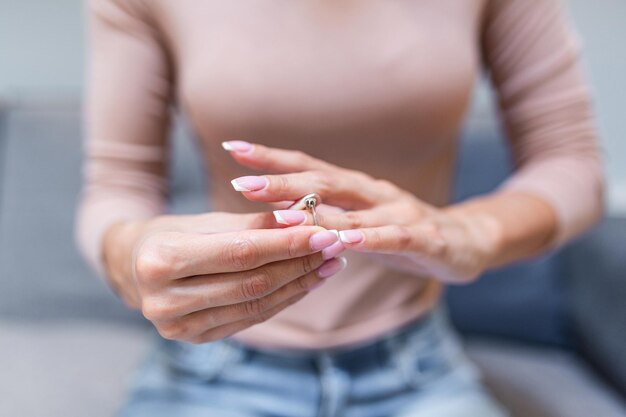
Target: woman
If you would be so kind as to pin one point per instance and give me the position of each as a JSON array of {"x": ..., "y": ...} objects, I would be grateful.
[{"x": 359, "y": 102}]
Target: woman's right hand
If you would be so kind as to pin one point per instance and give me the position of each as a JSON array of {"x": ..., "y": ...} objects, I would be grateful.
[{"x": 205, "y": 277}]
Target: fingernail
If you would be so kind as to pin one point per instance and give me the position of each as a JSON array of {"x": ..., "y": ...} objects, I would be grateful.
[
  {"x": 249, "y": 183},
  {"x": 331, "y": 267},
  {"x": 237, "y": 146},
  {"x": 351, "y": 236},
  {"x": 333, "y": 250},
  {"x": 290, "y": 217},
  {"x": 323, "y": 239}
]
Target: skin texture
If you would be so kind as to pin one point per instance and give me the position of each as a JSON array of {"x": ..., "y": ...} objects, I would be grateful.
[
  {"x": 453, "y": 245},
  {"x": 202, "y": 278}
]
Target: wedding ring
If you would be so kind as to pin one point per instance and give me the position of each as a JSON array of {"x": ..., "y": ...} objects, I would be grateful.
[{"x": 308, "y": 202}]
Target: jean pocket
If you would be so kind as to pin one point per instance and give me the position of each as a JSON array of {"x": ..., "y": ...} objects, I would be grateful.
[{"x": 203, "y": 363}]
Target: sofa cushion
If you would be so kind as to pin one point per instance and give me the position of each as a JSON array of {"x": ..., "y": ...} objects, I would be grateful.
[
  {"x": 543, "y": 382},
  {"x": 596, "y": 289},
  {"x": 43, "y": 276}
]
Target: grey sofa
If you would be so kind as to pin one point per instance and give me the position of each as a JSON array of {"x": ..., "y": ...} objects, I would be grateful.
[{"x": 68, "y": 347}]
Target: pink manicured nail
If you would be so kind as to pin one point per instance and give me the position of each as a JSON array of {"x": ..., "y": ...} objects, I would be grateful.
[
  {"x": 351, "y": 236},
  {"x": 333, "y": 250},
  {"x": 237, "y": 146},
  {"x": 249, "y": 183},
  {"x": 322, "y": 240},
  {"x": 290, "y": 217},
  {"x": 331, "y": 267}
]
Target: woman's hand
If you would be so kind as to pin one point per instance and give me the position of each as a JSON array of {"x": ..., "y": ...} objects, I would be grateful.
[
  {"x": 450, "y": 244},
  {"x": 202, "y": 278}
]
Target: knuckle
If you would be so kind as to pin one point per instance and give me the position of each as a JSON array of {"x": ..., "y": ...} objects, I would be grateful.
[
  {"x": 383, "y": 184},
  {"x": 438, "y": 248},
  {"x": 149, "y": 264},
  {"x": 374, "y": 236},
  {"x": 307, "y": 264},
  {"x": 241, "y": 253},
  {"x": 362, "y": 176},
  {"x": 156, "y": 309},
  {"x": 413, "y": 211},
  {"x": 281, "y": 183},
  {"x": 323, "y": 181},
  {"x": 166, "y": 334},
  {"x": 385, "y": 187},
  {"x": 173, "y": 330},
  {"x": 354, "y": 220},
  {"x": 158, "y": 257},
  {"x": 293, "y": 245},
  {"x": 257, "y": 284},
  {"x": 403, "y": 237},
  {"x": 431, "y": 239},
  {"x": 256, "y": 308},
  {"x": 301, "y": 159},
  {"x": 310, "y": 263}
]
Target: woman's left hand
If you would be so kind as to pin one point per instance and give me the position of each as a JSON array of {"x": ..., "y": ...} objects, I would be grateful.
[{"x": 372, "y": 215}]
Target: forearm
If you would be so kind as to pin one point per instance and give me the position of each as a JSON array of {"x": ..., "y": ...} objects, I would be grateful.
[{"x": 515, "y": 225}]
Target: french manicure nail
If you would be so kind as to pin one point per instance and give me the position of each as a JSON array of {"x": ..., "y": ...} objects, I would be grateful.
[
  {"x": 251, "y": 183},
  {"x": 333, "y": 250},
  {"x": 323, "y": 239},
  {"x": 331, "y": 267},
  {"x": 351, "y": 236},
  {"x": 237, "y": 146},
  {"x": 290, "y": 217}
]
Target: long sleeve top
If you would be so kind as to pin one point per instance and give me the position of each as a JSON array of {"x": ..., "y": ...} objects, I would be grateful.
[{"x": 378, "y": 86}]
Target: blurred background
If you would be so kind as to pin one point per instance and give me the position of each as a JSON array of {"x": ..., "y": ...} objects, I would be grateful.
[{"x": 550, "y": 335}]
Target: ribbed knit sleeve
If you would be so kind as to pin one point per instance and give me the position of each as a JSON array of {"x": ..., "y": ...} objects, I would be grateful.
[
  {"x": 127, "y": 118},
  {"x": 533, "y": 58}
]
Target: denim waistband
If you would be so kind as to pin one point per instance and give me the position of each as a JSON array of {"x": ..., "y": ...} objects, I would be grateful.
[{"x": 373, "y": 352}]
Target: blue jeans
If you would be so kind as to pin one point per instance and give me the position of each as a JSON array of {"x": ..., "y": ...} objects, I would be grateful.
[{"x": 419, "y": 370}]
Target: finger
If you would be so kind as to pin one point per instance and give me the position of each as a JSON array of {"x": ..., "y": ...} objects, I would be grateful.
[
  {"x": 321, "y": 209},
  {"x": 216, "y": 290},
  {"x": 230, "y": 329},
  {"x": 218, "y": 222},
  {"x": 193, "y": 324},
  {"x": 214, "y": 222},
  {"x": 337, "y": 220},
  {"x": 173, "y": 255},
  {"x": 345, "y": 189},
  {"x": 333, "y": 250},
  {"x": 274, "y": 160},
  {"x": 282, "y": 205},
  {"x": 424, "y": 240}
]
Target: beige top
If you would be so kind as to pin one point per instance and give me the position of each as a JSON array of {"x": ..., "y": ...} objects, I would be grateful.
[{"x": 379, "y": 86}]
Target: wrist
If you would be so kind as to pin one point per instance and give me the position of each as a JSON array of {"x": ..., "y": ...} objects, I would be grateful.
[
  {"x": 117, "y": 248},
  {"x": 484, "y": 232}
]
